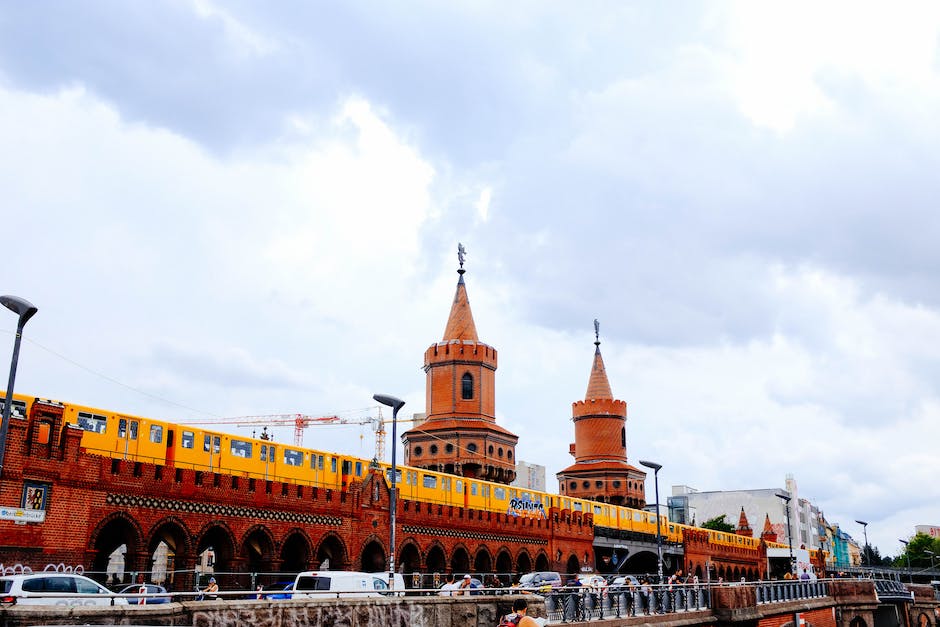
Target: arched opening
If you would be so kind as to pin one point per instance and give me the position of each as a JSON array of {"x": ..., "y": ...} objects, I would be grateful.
[
  {"x": 523, "y": 563},
  {"x": 482, "y": 563},
  {"x": 215, "y": 552},
  {"x": 466, "y": 386},
  {"x": 573, "y": 566},
  {"x": 858, "y": 621},
  {"x": 116, "y": 543},
  {"x": 373, "y": 558},
  {"x": 331, "y": 554},
  {"x": 436, "y": 561},
  {"x": 460, "y": 561},
  {"x": 295, "y": 553},
  {"x": 168, "y": 548},
  {"x": 258, "y": 550},
  {"x": 541, "y": 562},
  {"x": 410, "y": 560}
]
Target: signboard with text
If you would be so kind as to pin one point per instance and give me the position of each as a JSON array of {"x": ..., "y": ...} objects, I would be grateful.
[{"x": 22, "y": 515}]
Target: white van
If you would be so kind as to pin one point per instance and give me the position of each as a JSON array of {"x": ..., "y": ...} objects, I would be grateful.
[
  {"x": 53, "y": 588},
  {"x": 332, "y": 583},
  {"x": 381, "y": 584}
]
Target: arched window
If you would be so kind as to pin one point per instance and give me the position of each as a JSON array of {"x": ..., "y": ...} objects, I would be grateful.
[
  {"x": 466, "y": 387},
  {"x": 623, "y": 437}
]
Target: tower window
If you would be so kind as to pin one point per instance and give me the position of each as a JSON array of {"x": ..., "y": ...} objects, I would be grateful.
[
  {"x": 623, "y": 437},
  {"x": 449, "y": 448},
  {"x": 434, "y": 449},
  {"x": 574, "y": 485},
  {"x": 418, "y": 451},
  {"x": 466, "y": 386},
  {"x": 472, "y": 448}
]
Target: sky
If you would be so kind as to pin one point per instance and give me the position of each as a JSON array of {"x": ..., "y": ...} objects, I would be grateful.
[{"x": 233, "y": 209}]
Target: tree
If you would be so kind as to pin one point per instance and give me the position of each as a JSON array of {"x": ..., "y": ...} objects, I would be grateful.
[
  {"x": 916, "y": 551},
  {"x": 718, "y": 523}
]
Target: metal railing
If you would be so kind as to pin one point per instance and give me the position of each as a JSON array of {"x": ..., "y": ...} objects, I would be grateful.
[
  {"x": 780, "y": 591},
  {"x": 574, "y": 604}
]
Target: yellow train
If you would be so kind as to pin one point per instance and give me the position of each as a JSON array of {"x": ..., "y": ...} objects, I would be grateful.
[{"x": 125, "y": 436}]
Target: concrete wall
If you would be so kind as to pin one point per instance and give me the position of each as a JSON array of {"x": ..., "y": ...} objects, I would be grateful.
[{"x": 402, "y": 612}]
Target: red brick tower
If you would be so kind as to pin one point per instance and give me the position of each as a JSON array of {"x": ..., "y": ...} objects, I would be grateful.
[
  {"x": 601, "y": 471},
  {"x": 744, "y": 528},
  {"x": 768, "y": 535},
  {"x": 460, "y": 434}
]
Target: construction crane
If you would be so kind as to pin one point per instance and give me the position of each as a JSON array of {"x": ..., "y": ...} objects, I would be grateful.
[{"x": 301, "y": 421}]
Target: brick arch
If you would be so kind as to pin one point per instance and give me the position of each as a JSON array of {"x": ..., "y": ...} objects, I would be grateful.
[
  {"x": 409, "y": 556},
  {"x": 542, "y": 561},
  {"x": 257, "y": 548},
  {"x": 523, "y": 561},
  {"x": 218, "y": 535},
  {"x": 372, "y": 556},
  {"x": 180, "y": 545},
  {"x": 332, "y": 547},
  {"x": 435, "y": 558},
  {"x": 112, "y": 531},
  {"x": 295, "y": 550},
  {"x": 460, "y": 558},
  {"x": 504, "y": 563},
  {"x": 482, "y": 560}
]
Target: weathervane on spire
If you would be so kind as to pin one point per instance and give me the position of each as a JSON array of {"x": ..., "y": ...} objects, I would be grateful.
[
  {"x": 597, "y": 332},
  {"x": 461, "y": 251}
]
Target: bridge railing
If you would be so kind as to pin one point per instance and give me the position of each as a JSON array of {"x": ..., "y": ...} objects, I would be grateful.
[
  {"x": 578, "y": 604},
  {"x": 780, "y": 591}
]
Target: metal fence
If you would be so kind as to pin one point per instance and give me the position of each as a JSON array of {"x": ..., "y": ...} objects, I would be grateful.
[
  {"x": 564, "y": 605},
  {"x": 779, "y": 591}
]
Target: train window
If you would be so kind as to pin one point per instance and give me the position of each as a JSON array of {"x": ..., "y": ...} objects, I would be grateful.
[
  {"x": 92, "y": 422},
  {"x": 347, "y": 467},
  {"x": 292, "y": 458},
  {"x": 188, "y": 440},
  {"x": 486, "y": 490},
  {"x": 430, "y": 481},
  {"x": 123, "y": 428},
  {"x": 577, "y": 506},
  {"x": 445, "y": 484},
  {"x": 473, "y": 489},
  {"x": 358, "y": 469},
  {"x": 499, "y": 493},
  {"x": 638, "y": 516},
  {"x": 156, "y": 434},
  {"x": 332, "y": 464},
  {"x": 18, "y": 409},
  {"x": 388, "y": 475},
  {"x": 459, "y": 487},
  {"x": 597, "y": 510},
  {"x": 241, "y": 448}
]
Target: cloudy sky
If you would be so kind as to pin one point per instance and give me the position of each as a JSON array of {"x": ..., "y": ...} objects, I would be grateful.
[{"x": 230, "y": 209}]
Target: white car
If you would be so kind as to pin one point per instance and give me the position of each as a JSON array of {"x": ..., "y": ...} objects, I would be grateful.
[{"x": 55, "y": 589}]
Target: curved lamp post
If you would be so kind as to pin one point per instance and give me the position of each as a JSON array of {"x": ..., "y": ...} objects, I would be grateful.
[
  {"x": 25, "y": 310},
  {"x": 395, "y": 404},
  {"x": 659, "y": 535},
  {"x": 866, "y": 553},
  {"x": 907, "y": 555}
]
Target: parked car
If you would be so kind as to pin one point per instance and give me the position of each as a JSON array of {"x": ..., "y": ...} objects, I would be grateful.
[
  {"x": 380, "y": 581},
  {"x": 55, "y": 589},
  {"x": 150, "y": 589},
  {"x": 318, "y": 583},
  {"x": 541, "y": 580},
  {"x": 279, "y": 590}
]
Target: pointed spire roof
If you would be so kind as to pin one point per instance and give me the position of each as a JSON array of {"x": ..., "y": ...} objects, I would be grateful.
[
  {"x": 742, "y": 520},
  {"x": 768, "y": 528},
  {"x": 598, "y": 385},
  {"x": 460, "y": 324}
]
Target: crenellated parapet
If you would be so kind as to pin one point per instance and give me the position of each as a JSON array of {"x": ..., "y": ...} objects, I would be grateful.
[
  {"x": 456, "y": 351},
  {"x": 599, "y": 408}
]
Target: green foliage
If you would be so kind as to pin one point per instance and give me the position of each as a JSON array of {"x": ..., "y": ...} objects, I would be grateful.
[
  {"x": 718, "y": 523},
  {"x": 918, "y": 551}
]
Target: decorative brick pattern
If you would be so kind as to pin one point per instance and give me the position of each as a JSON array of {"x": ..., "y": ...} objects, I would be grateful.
[{"x": 219, "y": 510}]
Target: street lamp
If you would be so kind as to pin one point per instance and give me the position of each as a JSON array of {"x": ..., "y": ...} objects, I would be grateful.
[
  {"x": 659, "y": 535},
  {"x": 867, "y": 552},
  {"x": 907, "y": 555},
  {"x": 786, "y": 501},
  {"x": 395, "y": 404},
  {"x": 25, "y": 310}
]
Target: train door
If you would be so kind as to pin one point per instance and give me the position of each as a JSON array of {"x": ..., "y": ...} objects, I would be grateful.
[
  {"x": 212, "y": 445},
  {"x": 267, "y": 456},
  {"x": 170, "y": 447},
  {"x": 127, "y": 436}
]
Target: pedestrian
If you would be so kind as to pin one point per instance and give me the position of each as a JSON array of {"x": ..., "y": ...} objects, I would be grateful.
[
  {"x": 212, "y": 589},
  {"x": 805, "y": 575},
  {"x": 448, "y": 589},
  {"x": 465, "y": 586},
  {"x": 519, "y": 616}
]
